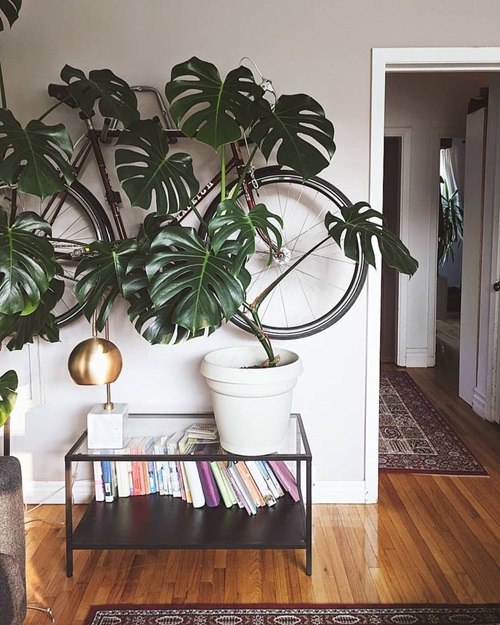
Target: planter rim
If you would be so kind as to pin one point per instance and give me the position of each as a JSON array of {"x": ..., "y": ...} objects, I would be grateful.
[
  {"x": 225, "y": 362},
  {"x": 248, "y": 356}
]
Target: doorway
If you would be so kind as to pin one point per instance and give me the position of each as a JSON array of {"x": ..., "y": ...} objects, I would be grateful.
[{"x": 414, "y": 60}]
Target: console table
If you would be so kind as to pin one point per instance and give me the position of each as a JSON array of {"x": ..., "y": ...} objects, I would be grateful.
[{"x": 164, "y": 522}]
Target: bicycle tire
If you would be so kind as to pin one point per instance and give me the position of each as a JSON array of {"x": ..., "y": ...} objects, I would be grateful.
[
  {"x": 321, "y": 290},
  {"x": 74, "y": 214}
]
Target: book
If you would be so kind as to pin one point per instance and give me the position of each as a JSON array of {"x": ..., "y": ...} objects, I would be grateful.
[
  {"x": 162, "y": 472},
  {"x": 208, "y": 483},
  {"x": 172, "y": 447},
  {"x": 98, "y": 481},
  {"x": 191, "y": 477},
  {"x": 271, "y": 479},
  {"x": 122, "y": 469},
  {"x": 107, "y": 476},
  {"x": 227, "y": 497},
  {"x": 152, "y": 478},
  {"x": 231, "y": 485},
  {"x": 203, "y": 431},
  {"x": 137, "y": 468},
  {"x": 250, "y": 483},
  {"x": 239, "y": 485},
  {"x": 286, "y": 477},
  {"x": 261, "y": 483}
]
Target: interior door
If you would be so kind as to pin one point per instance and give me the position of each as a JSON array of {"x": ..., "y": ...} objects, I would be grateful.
[
  {"x": 475, "y": 141},
  {"x": 479, "y": 331}
]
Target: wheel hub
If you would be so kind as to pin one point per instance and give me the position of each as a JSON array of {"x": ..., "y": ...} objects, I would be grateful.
[{"x": 283, "y": 256}]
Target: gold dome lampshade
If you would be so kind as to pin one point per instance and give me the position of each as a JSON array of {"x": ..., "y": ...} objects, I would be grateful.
[{"x": 95, "y": 361}]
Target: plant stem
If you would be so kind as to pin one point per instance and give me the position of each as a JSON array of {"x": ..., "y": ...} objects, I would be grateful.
[
  {"x": 223, "y": 174},
  {"x": 2, "y": 90},
  {"x": 256, "y": 329}
]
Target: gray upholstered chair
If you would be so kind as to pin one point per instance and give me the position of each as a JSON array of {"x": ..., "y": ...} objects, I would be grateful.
[{"x": 12, "y": 544}]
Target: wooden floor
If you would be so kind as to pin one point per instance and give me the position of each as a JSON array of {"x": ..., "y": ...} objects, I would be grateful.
[{"x": 429, "y": 539}]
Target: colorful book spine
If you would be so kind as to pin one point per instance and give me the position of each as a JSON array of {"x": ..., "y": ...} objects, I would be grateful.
[
  {"x": 107, "y": 476},
  {"x": 239, "y": 486},
  {"x": 162, "y": 474},
  {"x": 98, "y": 481},
  {"x": 208, "y": 484},
  {"x": 286, "y": 477},
  {"x": 250, "y": 483},
  {"x": 262, "y": 485},
  {"x": 232, "y": 487},
  {"x": 137, "y": 476},
  {"x": 194, "y": 484},
  {"x": 271, "y": 479},
  {"x": 172, "y": 447},
  {"x": 221, "y": 483}
]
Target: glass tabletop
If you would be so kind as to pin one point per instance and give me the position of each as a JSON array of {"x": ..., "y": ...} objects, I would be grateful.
[{"x": 156, "y": 427}]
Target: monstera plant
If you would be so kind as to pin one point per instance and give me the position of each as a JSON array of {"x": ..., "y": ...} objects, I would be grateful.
[{"x": 180, "y": 282}]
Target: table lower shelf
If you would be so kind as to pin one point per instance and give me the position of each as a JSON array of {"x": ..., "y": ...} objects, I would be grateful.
[{"x": 162, "y": 522}]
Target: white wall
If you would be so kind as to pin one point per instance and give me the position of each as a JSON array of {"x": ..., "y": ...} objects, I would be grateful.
[{"x": 321, "y": 47}]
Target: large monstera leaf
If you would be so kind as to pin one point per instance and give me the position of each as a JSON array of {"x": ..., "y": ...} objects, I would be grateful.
[
  {"x": 298, "y": 128},
  {"x": 147, "y": 173},
  {"x": 231, "y": 220},
  {"x": 113, "y": 94},
  {"x": 9, "y": 10},
  {"x": 27, "y": 263},
  {"x": 8, "y": 394},
  {"x": 204, "y": 106},
  {"x": 199, "y": 285},
  {"x": 356, "y": 223},
  {"x": 100, "y": 277},
  {"x": 35, "y": 157}
]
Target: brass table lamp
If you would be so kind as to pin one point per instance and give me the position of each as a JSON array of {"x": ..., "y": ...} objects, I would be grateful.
[{"x": 93, "y": 362}]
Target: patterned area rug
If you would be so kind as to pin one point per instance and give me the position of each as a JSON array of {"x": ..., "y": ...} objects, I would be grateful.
[
  {"x": 414, "y": 436},
  {"x": 303, "y": 615}
]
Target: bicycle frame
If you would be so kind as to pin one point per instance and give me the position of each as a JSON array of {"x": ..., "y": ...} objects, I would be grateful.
[{"x": 92, "y": 146}]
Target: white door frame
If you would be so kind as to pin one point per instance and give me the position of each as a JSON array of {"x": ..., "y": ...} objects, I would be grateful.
[{"x": 398, "y": 60}]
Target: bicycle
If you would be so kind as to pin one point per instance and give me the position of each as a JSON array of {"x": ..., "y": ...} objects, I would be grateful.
[{"x": 312, "y": 298}]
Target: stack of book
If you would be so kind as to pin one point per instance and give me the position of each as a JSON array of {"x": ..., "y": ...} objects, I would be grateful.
[{"x": 248, "y": 484}]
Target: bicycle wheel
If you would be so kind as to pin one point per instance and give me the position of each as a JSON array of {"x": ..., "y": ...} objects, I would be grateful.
[
  {"x": 75, "y": 215},
  {"x": 320, "y": 290}
]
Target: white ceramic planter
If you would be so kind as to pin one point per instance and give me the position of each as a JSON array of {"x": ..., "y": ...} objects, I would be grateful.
[{"x": 251, "y": 406}]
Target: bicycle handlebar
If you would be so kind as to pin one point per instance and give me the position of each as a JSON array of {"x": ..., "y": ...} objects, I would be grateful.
[
  {"x": 167, "y": 120},
  {"x": 62, "y": 93}
]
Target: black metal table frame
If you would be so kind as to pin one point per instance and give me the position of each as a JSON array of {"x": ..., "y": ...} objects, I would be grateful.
[{"x": 304, "y": 507}]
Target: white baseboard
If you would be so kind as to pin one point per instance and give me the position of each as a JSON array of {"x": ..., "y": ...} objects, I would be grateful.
[
  {"x": 36, "y": 492},
  {"x": 340, "y": 492},
  {"x": 417, "y": 357},
  {"x": 479, "y": 402}
]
